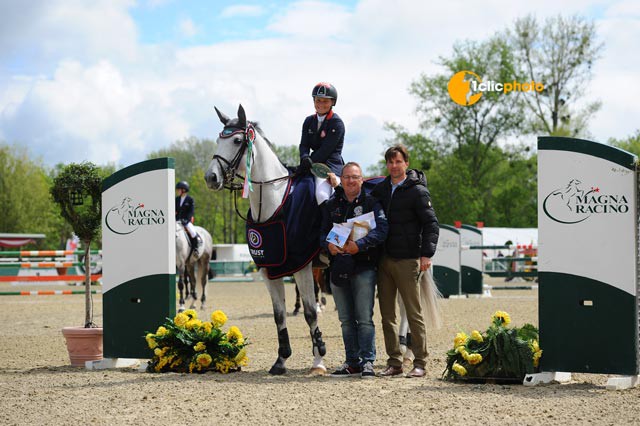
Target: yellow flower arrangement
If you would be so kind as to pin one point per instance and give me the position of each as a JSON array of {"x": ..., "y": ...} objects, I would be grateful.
[
  {"x": 500, "y": 352},
  {"x": 187, "y": 344}
]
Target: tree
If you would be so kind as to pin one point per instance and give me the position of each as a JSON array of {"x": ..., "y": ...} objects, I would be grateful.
[
  {"x": 560, "y": 54},
  {"x": 461, "y": 151},
  {"x": 630, "y": 143},
  {"x": 78, "y": 191},
  {"x": 288, "y": 154},
  {"x": 191, "y": 155},
  {"x": 24, "y": 193}
]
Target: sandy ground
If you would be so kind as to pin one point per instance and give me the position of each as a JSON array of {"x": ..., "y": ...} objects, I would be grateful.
[{"x": 38, "y": 386}]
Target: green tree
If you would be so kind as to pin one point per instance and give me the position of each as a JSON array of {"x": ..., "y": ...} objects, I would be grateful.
[
  {"x": 77, "y": 189},
  {"x": 459, "y": 145},
  {"x": 288, "y": 154},
  {"x": 560, "y": 53},
  {"x": 24, "y": 193},
  {"x": 191, "y": 154},
  {"x": 630, "y": 143}
]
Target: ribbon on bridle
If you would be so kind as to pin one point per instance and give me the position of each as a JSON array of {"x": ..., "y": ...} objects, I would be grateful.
[{"x": 250, "y": 137}]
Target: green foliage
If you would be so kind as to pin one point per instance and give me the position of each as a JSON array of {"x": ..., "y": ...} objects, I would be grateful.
[
  {"x": 630, "y": 143},
  {"x": 77, "y": 189},
  {"x": 24, "y": 193},
  {"x": 288, "y": 154}
]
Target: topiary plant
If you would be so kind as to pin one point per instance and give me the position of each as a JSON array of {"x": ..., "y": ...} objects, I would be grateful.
[{"x": 77, "y": 189}]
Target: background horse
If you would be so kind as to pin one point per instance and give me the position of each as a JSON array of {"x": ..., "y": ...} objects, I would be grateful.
[
  {"x": 270, "y": 182},
  {"x": 192, "y": 271},
  {"x": 319, "y": 290}
]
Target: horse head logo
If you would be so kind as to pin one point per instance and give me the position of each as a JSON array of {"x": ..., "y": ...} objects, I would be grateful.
[
  {"x": 569, "y": 192},
  {"x": 560, "y": 204}
]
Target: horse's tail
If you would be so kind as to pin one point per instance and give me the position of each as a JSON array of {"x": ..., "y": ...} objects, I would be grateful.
[{"x": 431, "y": 297}]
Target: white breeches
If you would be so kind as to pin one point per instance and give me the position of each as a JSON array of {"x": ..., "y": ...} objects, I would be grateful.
[{"x": 323, "y": 190}]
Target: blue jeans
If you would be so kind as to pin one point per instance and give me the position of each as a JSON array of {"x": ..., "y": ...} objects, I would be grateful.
[{"x": 355, "y": 311}]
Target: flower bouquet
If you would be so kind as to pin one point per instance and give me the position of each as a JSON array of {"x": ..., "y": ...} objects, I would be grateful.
[
  {"x": 186, "y": 344},
  {"x": 500, "y": 352}
]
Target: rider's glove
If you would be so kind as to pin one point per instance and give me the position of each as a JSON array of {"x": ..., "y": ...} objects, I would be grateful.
[{"x": 305, "y": 165}]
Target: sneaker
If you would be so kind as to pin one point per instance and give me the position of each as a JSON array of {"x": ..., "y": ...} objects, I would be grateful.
[
  {"x": 346, "y": 371},
  {"x": 367, "y": 371}
]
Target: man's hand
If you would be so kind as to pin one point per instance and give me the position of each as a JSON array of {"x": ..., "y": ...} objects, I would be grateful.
[
  {"x": 333, "y": 180},
  {"x": 351, "y": 247},
  {"x": 425, "y": 263},
  {"x": 335, "y": 250}
]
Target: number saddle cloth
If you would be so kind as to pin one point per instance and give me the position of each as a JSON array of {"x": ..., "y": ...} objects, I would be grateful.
[{"x": 287, "y": 241}]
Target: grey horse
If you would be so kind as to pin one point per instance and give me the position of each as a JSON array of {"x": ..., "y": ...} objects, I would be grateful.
[{"x": 191, "y": 268}]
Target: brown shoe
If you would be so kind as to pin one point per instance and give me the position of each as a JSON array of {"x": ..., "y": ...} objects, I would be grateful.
[
  {"x": 391, "y": 371},
  {"x": 417, "y": 372}
]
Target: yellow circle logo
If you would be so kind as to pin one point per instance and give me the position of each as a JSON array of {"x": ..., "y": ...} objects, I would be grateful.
[{"x": 459, "y": 88}]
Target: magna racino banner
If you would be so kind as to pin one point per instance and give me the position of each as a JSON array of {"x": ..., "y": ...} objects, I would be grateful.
[
  {"x": 588, "y": 257},
  {"x": 139, "y": 260}
]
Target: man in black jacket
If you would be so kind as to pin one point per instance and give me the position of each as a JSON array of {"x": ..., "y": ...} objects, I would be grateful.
[
  {"x": 411, "y": 242},
  {"x": 353, "y": 276}
]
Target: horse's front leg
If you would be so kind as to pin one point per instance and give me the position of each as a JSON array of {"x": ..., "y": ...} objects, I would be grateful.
[
  {"x": 304, "y": 278},
  {"x": 203, "y": 276},
  {"x": 276, "y": 291},
  {"x": 181, "y": 286},
  {"x": 193, "y": 286}
]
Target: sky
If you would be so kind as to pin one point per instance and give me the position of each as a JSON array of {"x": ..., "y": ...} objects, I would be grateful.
[{"x": 110, "y": 81}]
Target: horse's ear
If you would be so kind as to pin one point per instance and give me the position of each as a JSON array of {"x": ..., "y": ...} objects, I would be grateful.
[
  {"x": 242, "y": 117},
  {"x": 223, "y": 118}
]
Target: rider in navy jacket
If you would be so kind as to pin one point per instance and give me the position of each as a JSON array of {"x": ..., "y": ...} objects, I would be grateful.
[{"x": 323, "y": 132}]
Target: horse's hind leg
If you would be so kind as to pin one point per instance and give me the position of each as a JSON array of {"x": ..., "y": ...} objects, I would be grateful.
[
  {"x": 296, "y": 308},
  {"x": 304, "y": 278},
  {"x": 276, "y": 291},
  {"x": 405, "y": 335}
]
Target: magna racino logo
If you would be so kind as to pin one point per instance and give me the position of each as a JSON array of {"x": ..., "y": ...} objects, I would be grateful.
[
  {"x": 574, "y": 204},
  {"x": 126, "y": 217}
]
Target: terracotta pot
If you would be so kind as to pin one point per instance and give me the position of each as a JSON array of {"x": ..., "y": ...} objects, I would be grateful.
[{"x": 83, "y": 344}]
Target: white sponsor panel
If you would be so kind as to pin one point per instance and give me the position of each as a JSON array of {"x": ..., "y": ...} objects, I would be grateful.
[
  {"x": 138, "y": 228},
  {"x": 471, "y": 258},
  {"x": 586, "y": 211}
]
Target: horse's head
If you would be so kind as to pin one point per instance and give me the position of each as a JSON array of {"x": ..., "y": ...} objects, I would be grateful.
[{"x": 231, "y": 148}]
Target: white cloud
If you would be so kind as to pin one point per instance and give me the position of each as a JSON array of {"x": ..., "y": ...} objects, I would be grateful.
[
  {"x": 187, "y": 28},
  {"x": 241, "y": 10}
]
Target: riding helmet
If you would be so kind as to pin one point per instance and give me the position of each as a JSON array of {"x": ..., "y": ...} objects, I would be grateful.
[
  {"x": 183, "y": 185},
  {"x": 325, "y": 90}
]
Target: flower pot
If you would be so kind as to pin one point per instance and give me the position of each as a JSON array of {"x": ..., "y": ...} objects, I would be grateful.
[{"x": 83, "y": 344}]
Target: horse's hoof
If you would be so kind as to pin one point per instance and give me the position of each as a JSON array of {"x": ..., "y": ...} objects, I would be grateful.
[
  {"x": 181, "y": 309},
  {"x": 407, "y": 362},
  {"x": 277, "y": 370},
  {"x": 320, "y": 370}
]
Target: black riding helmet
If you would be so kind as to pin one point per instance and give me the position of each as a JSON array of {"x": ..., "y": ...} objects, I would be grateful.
[
  {"x": 325, "y": 90},
  {"x": 183, "y": 185}
]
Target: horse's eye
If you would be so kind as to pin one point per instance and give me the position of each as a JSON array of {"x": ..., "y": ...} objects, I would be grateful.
[{"x": 237, "y": 141}]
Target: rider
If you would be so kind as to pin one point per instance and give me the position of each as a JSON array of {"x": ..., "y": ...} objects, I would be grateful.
[
  {"x": 185, "y": 207},
  {"x": 323, "y": 133}
]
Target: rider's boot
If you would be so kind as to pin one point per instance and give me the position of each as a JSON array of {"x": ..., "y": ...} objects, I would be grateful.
[{"x": 196, "y": 246}]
